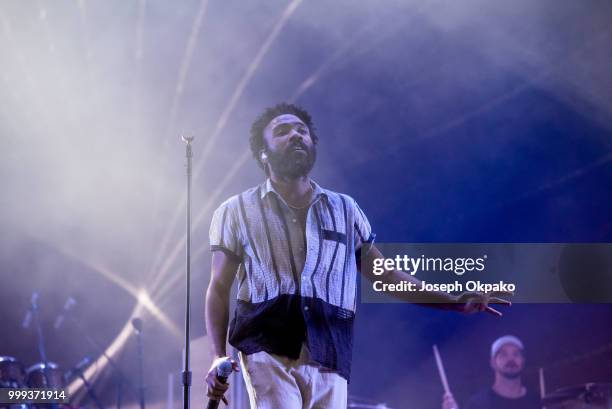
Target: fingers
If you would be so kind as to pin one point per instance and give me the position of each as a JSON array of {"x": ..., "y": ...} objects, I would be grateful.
[
  {"x": 493, "y": 311},
  {"x": 480, "y": 307},
  {"x": 212, "y": 394},
  {"x": 496, "y": 300},
  {"x": 215, "y": 394},
  {"x": 482, "y": 303},
  {"x": 216, "y": 388},
  {"x": 220, "y": 385},
  {"x": 448, "y": 401},
  {"x": 470, "y": 307},
  {"x": 235, "y": 365},
  {"x": 479, "y": 302}
]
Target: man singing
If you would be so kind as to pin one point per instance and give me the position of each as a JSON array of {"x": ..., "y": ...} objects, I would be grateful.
[{"x": 295, "y": 249}]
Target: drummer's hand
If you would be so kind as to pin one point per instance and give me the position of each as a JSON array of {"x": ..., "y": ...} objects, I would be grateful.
[
  {"x": 471, "y": 302},
  {"x": 216, "y": 389},
  {"x": 448, "y": 402}
]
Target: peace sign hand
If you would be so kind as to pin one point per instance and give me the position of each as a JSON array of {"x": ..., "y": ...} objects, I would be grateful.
[{"x": 471, "y": 302}]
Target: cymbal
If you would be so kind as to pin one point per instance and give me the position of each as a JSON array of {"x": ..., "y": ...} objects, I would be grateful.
[{"x": 588, "y": 393}]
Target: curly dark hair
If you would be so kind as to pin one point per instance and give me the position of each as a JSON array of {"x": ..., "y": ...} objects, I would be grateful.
[{"x": 256, "y": 139}]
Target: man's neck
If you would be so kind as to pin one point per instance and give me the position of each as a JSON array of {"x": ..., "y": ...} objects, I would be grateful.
[
  {"x": 292, "y": 190},
  {"x": 509, "y": 387}
]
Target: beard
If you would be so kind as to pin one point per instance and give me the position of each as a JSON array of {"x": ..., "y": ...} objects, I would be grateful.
[
  {"x": 511, "y": 375},
  {"x": 511, "y": 371},
  {"x": 291, "y": 163}
]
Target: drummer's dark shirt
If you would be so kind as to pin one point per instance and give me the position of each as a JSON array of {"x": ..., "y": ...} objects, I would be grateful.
[{"x": 489, "y": 399}]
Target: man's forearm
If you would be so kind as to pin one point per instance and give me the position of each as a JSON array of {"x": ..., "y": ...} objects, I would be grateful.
[
  {"x": 217, "y": 316},
  {"x": 435, "y": 299}
]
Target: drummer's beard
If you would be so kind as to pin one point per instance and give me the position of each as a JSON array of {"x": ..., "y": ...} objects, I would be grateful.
[
  {"x": 511, "y": 371},
  {"x": 511, "y": 375}
]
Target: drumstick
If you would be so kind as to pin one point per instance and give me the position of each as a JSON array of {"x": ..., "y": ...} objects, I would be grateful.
[
  {"x": 441, "y": 371},
  {"x": 542, "y": 385}
]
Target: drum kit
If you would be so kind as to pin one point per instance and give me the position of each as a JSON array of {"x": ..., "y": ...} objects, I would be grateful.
[
  {"x": 48, "y": 375},
  {"x": 14, "y": 375},
  {"x": 586, "y": 396}
]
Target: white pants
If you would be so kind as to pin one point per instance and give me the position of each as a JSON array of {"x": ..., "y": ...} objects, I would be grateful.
[{"x": 278, "y": 382}]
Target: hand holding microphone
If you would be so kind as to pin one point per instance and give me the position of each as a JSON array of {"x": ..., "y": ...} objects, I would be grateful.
[{"x": 216, "y": 380}]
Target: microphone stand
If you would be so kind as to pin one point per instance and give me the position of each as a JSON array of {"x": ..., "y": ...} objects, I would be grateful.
[
  {"x": 90, "y": 391},
  {"x": 137, "y": 323},
  {"x": 186, "y": 375},
  {"x": 41, "y": 343},
  {"x": 41, "y": 339}
]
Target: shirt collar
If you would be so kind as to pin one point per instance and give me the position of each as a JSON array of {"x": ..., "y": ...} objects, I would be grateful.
[{"x": 267, "y": 187}]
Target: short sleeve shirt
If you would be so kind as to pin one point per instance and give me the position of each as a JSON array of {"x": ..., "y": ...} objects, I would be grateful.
[{"x": 295, "y": 285}]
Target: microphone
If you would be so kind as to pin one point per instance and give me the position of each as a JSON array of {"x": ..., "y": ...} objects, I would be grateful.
[
  {"x": 77, "y": 369},
  {"x": 27, "y": 320},
  {"x": 187, "y": 139},
  {"x": 224, "y": 370},
  {"x": 68, "y": 305}
]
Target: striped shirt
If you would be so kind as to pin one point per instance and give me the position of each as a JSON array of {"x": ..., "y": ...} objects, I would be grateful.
[{"x": 296, "y": 283}]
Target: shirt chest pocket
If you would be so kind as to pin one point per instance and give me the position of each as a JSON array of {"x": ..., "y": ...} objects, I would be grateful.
[{"x": 334, "y": 236}]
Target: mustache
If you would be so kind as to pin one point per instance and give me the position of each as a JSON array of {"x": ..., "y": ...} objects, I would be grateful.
[{"x": 297, "y": 145}]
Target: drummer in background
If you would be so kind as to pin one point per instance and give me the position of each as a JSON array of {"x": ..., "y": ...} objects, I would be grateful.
[{"x": 508, "y": 391}]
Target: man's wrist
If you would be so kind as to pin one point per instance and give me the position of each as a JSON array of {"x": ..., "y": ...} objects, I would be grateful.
[
  {"x": 219, "y": 351},
  {"x": 454, "y": 303}
]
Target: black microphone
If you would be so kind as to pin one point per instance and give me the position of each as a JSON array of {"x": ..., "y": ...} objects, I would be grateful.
[
  {"x": 27, "y": 320},
  {"x": 224, "y": 370},
  {"x": 68, "y": 305},
  {"x": 77, "y": 369}
]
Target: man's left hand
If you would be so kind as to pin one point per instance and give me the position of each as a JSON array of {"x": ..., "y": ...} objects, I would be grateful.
[{"x": 471, "y": 302}]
